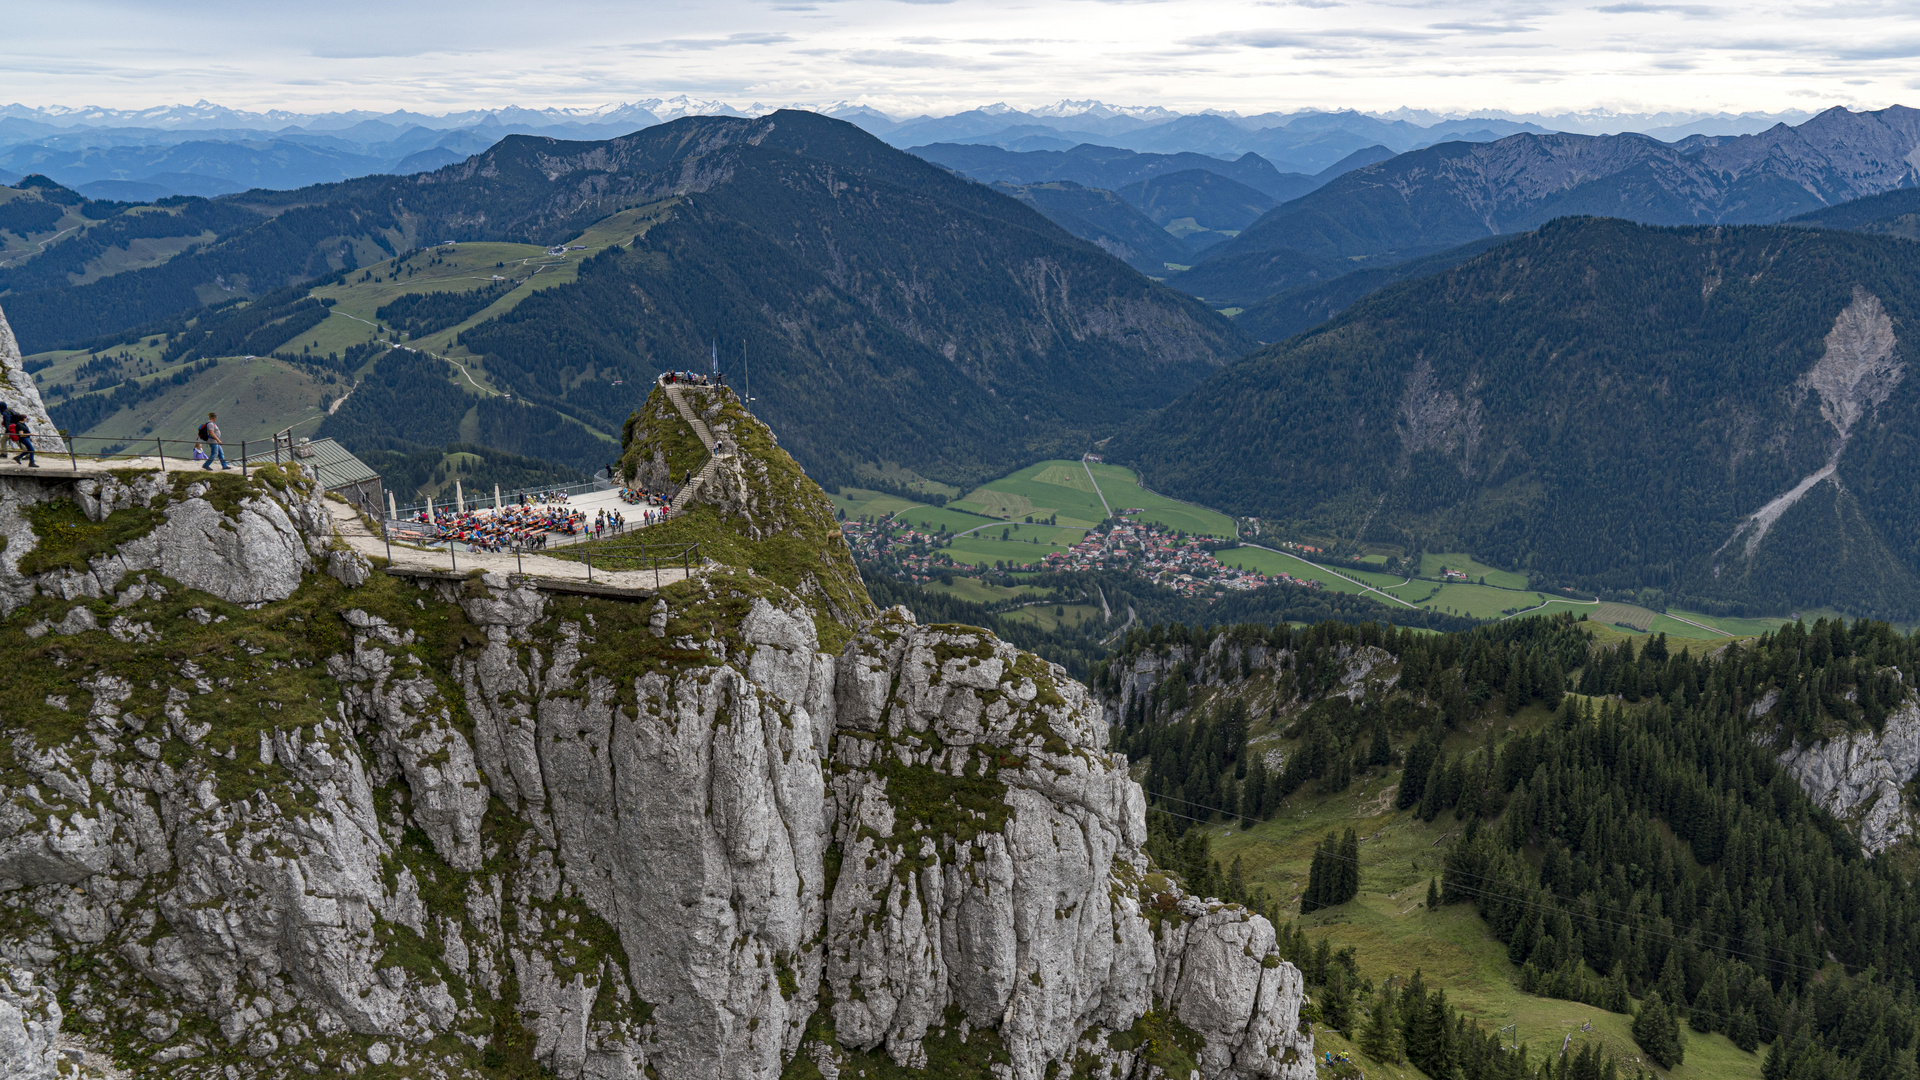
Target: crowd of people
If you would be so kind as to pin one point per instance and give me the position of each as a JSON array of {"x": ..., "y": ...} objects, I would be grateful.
[
  {"x": 691, "y": 378},
  {"x": 526, "y": 527},
  {"x": 635, "y": 497},
  {"x": 522, "y": 527}
]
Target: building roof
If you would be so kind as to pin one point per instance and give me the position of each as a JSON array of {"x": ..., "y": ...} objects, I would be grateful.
[{"x": 334, "y": 466}]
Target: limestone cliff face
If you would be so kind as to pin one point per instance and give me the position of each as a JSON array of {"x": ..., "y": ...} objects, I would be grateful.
[
  {"x": 1860, "y": 777},
  {"x": 263, "y": 813},
  {"x": 17, "y": 388}
]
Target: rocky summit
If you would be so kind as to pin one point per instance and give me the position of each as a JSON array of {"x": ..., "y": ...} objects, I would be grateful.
[{"x": 269, "y": 808}]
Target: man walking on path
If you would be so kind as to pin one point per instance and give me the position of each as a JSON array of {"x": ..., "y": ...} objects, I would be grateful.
[
  {"x": 210, "y": 434},
  {"x": 19, "y": 432}
]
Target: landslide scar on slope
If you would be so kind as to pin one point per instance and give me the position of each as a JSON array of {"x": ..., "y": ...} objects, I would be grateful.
[
  {"x": 1857, "y": 373},
  {"x": 1434, "y": 419}
]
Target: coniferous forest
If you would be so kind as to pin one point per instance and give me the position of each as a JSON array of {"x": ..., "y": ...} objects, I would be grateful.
[{"x": 1639, "y": 848}]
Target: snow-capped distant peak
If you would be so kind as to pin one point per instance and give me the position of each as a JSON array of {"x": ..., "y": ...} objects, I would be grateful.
[
  {"x": 1101, "y": 109},
  {"x": 679, "y": 105}
]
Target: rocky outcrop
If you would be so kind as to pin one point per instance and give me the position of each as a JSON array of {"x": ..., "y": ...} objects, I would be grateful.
[
  {"x": 17, "y": 388},
  {"x": 258, "y": 817},
  {"x": 992, "y": 868},
  {"x": 247, "y": 541},
  {"x": 1860, "y": 777}
]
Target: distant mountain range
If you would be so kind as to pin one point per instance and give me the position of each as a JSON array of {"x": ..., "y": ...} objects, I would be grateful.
[
  {"x": 1440, "y": 197},
  {"x": 282, "y": 150},
  {"x": 1718, "y": 417},
  {"x": 895, "y": 314}
]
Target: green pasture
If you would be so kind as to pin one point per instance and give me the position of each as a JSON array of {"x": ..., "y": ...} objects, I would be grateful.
[
  {"x": 1044, "y": 617},
  {"x": 462, "y": 268},
  {"x": 254, "y": 398},
  {"x": 936, "y": 518},
  {"x": 976, "y": 591},
  {"x": 859, "y": 503},
  {"x": 1273, "y": 562},
  {"x": 1392, "y": 932},
  {"x": 1473, "y": 601},
  {"x": 1430, "y": 565},
  {"x": 1736, "y": 627},
  {"x": 1058, "y": 489},
  {"x": 979, "y": 550},
  {"x": 1122, "y": 489}
]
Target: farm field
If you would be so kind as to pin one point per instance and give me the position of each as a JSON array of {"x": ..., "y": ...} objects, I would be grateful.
[
  {"x": 977, "y": 591},
  {"x": 1058, "y": 489},
  {"x": 1045, "y": 618},
  {"x": 1474, "y": 601},
  {"x": 1273, "y": 562},
  {"x": 859, "y": 504},
  {"x": 1122, "y": 489},
  {"x": 1430, "y": 565},
  {"x": 935, "y": 518},
  {"x": 978, "y": 550},
  {"x": 1736, "y": 627}
]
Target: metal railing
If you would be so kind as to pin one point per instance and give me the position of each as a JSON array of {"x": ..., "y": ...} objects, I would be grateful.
[
  {"x": 97, "y": 448},
  {"x": 510, "y": 500},
  {"x": 615, "y": 556}
]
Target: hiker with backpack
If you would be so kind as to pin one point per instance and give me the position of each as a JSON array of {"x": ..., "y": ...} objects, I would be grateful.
[
  {"x": 19, "y": 432},
  {"x": 216, "y": 450}
]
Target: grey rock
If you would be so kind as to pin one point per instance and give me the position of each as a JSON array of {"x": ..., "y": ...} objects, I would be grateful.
[
  {"x": 77, "y": 621},
  {"x": 350, "y": 568},
  {"x": 1858, "y": 777},
  {"x": 17, "y": 388},
  {"x": 30, "y": 1017}
]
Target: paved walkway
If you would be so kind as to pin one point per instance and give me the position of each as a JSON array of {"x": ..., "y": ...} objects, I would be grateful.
[{"x": 541, "y": 569}]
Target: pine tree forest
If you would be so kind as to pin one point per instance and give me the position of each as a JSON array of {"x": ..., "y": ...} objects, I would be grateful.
[{"x": 1636, "y": 846}]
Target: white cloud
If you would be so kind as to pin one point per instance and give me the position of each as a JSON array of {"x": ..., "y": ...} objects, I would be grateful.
[{"x": 1249, "y": 56}]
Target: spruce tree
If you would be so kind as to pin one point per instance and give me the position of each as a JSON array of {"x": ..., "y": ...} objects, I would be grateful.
[
  {"x": 1380, "y": 1039},
  {"x": 1709, "y": 1011},
  {"x": 1657, "y": 1032},
  {"x": 1433, "y": 790},
  {"x": 1442, "y": 1055},
  {"x": 1381, "y": 752},
  {"x": 1320, "y": 877},
  {"x": 1348, "y": 866},
  {"x": 1413, "y": 1012},
  {"x": 1336, "y": 1000},
  {"x": 1253, "y": 799},
  {"x": 1413, "y": 774},
  {"x": 1615, "y": 998},
  {"x": 1745, "y": 1030}
]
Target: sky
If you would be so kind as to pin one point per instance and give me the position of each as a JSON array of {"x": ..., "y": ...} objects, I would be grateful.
[{"x": 907, "y": 57}]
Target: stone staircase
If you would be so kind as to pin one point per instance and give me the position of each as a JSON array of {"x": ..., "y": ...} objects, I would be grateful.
[{"x": 677, "y": 394}]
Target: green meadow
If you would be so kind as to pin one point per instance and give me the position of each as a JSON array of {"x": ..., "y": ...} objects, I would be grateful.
[
  {"x": 1393, "y": 932},
  {"x": 1123, "y": 491}
]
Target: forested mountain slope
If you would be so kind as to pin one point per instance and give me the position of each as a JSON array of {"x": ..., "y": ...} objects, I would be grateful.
[
  {"x": 1105, "y": 220},
  {"x": 1445, "y": 195},
  {"x": 1617, "y": 823},
  {"x": 1896, "y": 213},
  {"x": 888, "y": 310},
  {"x": 1716, "y": 414}
]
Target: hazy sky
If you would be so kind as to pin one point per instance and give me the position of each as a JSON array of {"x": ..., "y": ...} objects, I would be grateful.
[{"x": 1249, "y": 55}]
